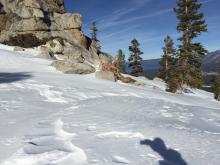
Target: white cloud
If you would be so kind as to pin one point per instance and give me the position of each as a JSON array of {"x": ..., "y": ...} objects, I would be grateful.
[
  {"x": 116, "y": 21},
  {"x": 207, "y": 1},
  {"x": 116, "y": 15},
  {"x": 109, "y": 35}
]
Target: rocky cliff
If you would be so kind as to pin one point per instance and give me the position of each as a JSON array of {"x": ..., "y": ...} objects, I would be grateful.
[
  {"x": 31, "y": 23},
  {"x": 43, "y": 19}
]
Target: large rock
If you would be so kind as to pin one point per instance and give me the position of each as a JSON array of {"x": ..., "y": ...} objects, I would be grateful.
[
  {"x": 78, "y": 60},
  {"x": 53, "y": 5},
  {"x": 110, "y": 71},
  {"x": 45, "y": 5},
  {"x": 25, "y": 40},
  {"x": 29, "y": 12},
  {"x": 45, "y": 19},
  {"x": 32, "y": 23},
  {"x": 74, "y": 36},
  {"x": 27, "y": 25},
  {"x": 105, "y": 75},
  {"x": 66, "y": 21},
  {"x": 32, "y": 4},
  {"x": 69, "y": 67}
]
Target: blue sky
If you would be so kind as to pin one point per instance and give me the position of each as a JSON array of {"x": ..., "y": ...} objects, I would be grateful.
[{"x": 119, "y": 21}]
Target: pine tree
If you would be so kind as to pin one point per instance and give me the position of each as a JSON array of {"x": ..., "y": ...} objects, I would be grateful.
[
  {"x": 120, "y": 58},
  {"x": 95, "y": 41},
  {"x": 168, "y": 59},
  {"x": 135, "y": 59},
  {"x": 216, "y": 87},
  {"x": 191, "y": 25}
]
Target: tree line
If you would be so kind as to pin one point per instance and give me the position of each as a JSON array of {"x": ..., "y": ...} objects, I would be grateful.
[{"x": 181, "y": 66}]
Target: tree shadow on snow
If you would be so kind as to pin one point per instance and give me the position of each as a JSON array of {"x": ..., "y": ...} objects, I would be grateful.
[
  {"x": 170, "y": 156},
  {"x": 13, "y": 77}
]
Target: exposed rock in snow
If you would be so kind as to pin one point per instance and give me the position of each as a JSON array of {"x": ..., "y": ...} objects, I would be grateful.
[
  {"x": 18, "y": 49},
  {"x": 105, "y": 75},
  {"x": 71, "y": 67}
]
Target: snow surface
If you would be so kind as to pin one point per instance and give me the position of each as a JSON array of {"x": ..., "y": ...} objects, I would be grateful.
[
  {"x": 118, "y": 159},
  {"x": 49, "y": 145},
  {"x": 48, "y": 118}
]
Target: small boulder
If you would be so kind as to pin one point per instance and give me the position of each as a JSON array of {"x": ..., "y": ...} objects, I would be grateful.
[
  {"x": 18, "y": 49},
  {"x": 158, "y": 79},
  {"x": 127, "y": 80},
  {"x": 139, "y": 83},
  {"x": 46, "y": 53},
  {"x": 105, "y": 75}
]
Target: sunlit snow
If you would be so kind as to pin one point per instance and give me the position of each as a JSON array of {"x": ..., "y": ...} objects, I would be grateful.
[{"x": 47, "y": 117}]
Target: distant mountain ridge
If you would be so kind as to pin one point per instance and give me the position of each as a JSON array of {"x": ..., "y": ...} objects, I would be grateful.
[{"x": 211, "y": 63}]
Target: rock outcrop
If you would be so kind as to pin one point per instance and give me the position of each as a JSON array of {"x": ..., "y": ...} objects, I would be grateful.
[
  {"x": 105, "y": 75},
  {"x": 32, "y": 23},
  {"x": 40, "y": 20},
  {"x": 110, "y": 72}
]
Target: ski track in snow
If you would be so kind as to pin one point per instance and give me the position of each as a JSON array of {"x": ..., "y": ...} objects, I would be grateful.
[{"x": 108, "y": 119}]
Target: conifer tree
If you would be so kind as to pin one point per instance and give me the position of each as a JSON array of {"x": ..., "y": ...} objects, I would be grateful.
[
  {"x": 191, "y": 25},
  {"x": 95, "y": 41},
  {"x": 120, "y": 58},
  {"x": 135, "y": 59},
  {"x": 168, "y": 59},
  {"x": 216, "y": 87}
]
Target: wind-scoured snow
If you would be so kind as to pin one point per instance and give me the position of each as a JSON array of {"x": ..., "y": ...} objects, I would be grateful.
[
  {"x": 121, "y": 135},
  {"x": 47, "y": 117},
  {"x": 119, "y": 159},
  {"x": 48, "y": 144}
]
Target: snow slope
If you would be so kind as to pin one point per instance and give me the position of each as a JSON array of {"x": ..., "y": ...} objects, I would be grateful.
[{"x": 47, "y": 117}]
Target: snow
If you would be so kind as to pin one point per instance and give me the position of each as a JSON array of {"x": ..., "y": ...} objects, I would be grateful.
[
  {"x": 118, "y": 159},
  {"x": 121, "y": 135},
  {"x": 49, "y": 146},
  {"x": 91, "y": 128},
  {"x": 51, "y": 118}
]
